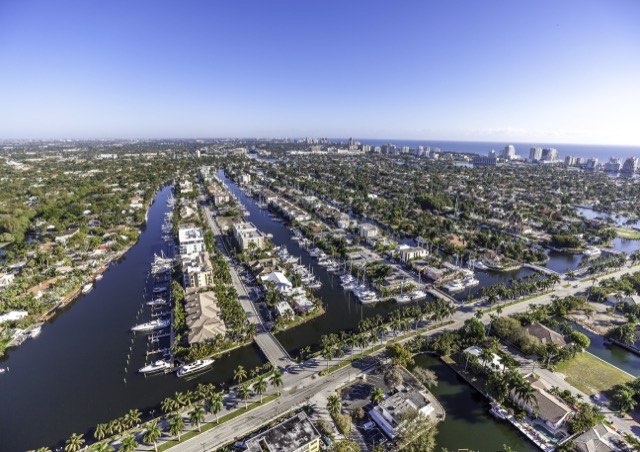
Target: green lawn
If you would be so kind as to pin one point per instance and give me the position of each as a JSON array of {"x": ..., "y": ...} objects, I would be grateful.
[
  {"x": 627, "y": 233},
  {"x": 590, "y": 374}
]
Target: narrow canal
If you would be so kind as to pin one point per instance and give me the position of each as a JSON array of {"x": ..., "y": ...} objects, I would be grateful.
[
  {"x": 72, "y": 376},
  {"x": 468, "y": 425}
]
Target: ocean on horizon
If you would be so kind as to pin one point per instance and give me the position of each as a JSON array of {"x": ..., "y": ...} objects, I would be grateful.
[{"x": 601, "y": 152}]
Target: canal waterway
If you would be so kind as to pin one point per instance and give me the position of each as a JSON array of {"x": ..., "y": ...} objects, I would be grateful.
[
  {"x": 617, "y": 356},
  {"x": 468, "y": 424},
  {"x": 343, "y": 311},
  {"x": 72, "y": 376}
]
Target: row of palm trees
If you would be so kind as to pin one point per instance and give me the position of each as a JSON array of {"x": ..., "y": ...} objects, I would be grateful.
[{"x": 527, "y": 285}]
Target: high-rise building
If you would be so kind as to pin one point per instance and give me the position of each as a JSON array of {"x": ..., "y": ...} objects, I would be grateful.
[
  {"x": 550, "y": 154},
  {"x": 630, "y": 165},
  {"x": 614, "y": 165},
  {"x": 592, "y": 163},
  {"x": 509, "y": 152},
  {"x": 492, "y": 153},
  {"x": 535, "y": 154},
  {"x": 571, "y": 160}
]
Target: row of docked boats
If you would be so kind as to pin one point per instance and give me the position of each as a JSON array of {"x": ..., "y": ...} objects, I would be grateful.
[
  {"x": 362, "y": 293},
  {"x": 306, "y": 276},
  {"x": 411, "y": 296},
  {"x": 163, "y": 366},
  {"x": 459, "y": 285}
]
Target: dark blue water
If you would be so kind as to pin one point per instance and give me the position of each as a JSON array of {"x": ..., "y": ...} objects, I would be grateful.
[{"x": 602, "y": 152}]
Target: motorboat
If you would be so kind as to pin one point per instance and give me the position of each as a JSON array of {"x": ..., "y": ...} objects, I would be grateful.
[
  {"x": 403, "y": 298},
  {"x": 156, "y": 324},
  {"x": 156, "y": 366},
  {"x": 418, "y": 295},
  {"x": 87, "y": 288},
  {"x": 194, "y": 367},
  {"x": 35, "y": 332},
  {"x": 99, "y": 277},
  {"x": 480, "y": 265},
  {"x": 470, "y": 282},
  {"x": 592, "y": 251},
  {"x": 160, "y": 289},
  {"x": 157, "y": 302},
  {"x": 454, "y": 286}
]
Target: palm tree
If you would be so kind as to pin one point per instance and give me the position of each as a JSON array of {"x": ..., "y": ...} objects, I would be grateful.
[
  {"x": 244, "y": 392},
  {"x": 215, "y": 404},
  {"x": 240, "y": 374},
  {"x": 169, "y": 404},
  {"x": 260, "y": 387},
  {"x": 132, "y": 418},
  {"x": 486, "y": 355},
  {"x": 197, "y": 415},
  {"x": 100, "y": 447},
  {"x": 42, "y": 449},
  {"x": 327, "y": 353},
  {"x": 276, "y": 380},
  {"x": 74, "y": 443},
  {"x": 128, "y": 444},
  {"x": 334, "y": 404},
  {"x": 176, "y": 425},
  {"x": 101, "y": 431},
  {"x": 377, "y": 395},
  {"x": 154, "y": 431}
]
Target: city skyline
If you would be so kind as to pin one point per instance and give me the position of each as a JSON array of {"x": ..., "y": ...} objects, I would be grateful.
[{"x": 547, "y": 73}]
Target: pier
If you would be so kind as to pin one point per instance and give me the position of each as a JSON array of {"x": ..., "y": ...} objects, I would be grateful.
[{"x": 437, "y": 293}]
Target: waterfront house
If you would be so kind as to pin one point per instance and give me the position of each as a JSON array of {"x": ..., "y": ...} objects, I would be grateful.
[
  {"x": 12, "y": 316},
  {"x": 203, "y": 317},
  {"x": 598, "y": 439},
  {"x": 547, "y": 407},
  {"x": 386, "y": 413},
  {"x": 191, "y": 239},
  {"x": 197, "y": 271},
  {"x": 281, "y": 281},
  {"x": 409, "y": 253},
  {"x": 544, "y": 334},
  {"x": 302, "y": 304},
  {"x": 283, "y": 309},
  {"x": 436, "y": 274},
  {"x": 495, "y": 363},
  {"x": 295, "y": 434},
  {"x": 247, "y": 235},
  {"x": 136, "y": 202},
  {"x": 368, "y": 231}
]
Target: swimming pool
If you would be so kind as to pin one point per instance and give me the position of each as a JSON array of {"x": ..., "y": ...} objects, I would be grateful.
[{"x": 555, "y": 437}]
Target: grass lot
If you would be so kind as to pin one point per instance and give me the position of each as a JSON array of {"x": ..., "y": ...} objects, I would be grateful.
[
  {"x": 627, "y": 233},
  {"x": 591, "y": 375}
]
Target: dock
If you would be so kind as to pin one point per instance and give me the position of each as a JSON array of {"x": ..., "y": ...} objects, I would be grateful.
[{"x": 441, "y": 295}]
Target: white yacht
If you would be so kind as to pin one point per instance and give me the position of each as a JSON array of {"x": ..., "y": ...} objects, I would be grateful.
[
  {"x": 152, "y": 325},
  {"x": 194, "y": 367},
  {"x": 156, "y": 366},
  {"x": 454, "y": 286},
  {"x": 470, "y": 282},
  {"x": 157, "y": 302},
  {"x": 160, "y": 289},
  {"x": 403, "y": 298},
  {"x": 592, "y": 251},
  {"x": 99, "y": 277},
  {"x": 480, "y": 265},
  {"x": 418, "y": 295},
  {"x": 35, "y": 332},
  {"x": 87, "y": 288}
]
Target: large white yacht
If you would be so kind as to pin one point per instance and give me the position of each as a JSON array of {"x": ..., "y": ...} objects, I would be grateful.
[
  {"x": 156, "y": 324},
  {"x": 418, "y": 295},
  {"x": 87, "y": 288},
  {"x": 157, "y": 302},
  {"x": 592, "y": 251},
  {"x": 470, "y": 282},
  {"x": 156, "y": 366},
  {"x": 194, "y": 367},
  {"x": 454, "y": 286},
  {"x": 480, "y": 265}
]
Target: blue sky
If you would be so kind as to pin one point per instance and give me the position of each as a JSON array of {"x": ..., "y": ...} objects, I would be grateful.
[{"x": 548, "y": 71}]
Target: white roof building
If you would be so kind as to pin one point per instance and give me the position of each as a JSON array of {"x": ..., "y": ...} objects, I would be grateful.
[
  {"x": 282, "y": 283},
  {"x": 12, "y": 316},
  {"x": 283, "y": 308},
  {"x": 191, "y": 240},
  {"x": 385, "y": 414}
]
